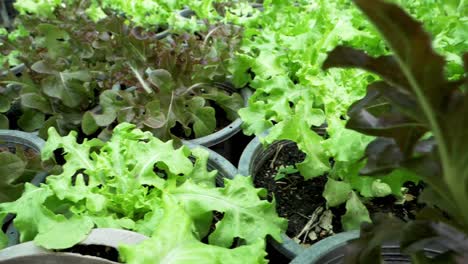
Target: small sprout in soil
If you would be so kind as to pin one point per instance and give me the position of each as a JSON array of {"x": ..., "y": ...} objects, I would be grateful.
[{"x": 285, "y": 171}]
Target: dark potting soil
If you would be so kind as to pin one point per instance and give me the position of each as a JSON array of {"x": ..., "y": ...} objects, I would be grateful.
[
  {"x": 297, "y": 199},
  {"x": 99, "y": 251}
]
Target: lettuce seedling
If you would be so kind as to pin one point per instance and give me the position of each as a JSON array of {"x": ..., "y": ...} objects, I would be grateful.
[
  {"x": 420, "y": 120},
  {"x": 137, "y": 182}
]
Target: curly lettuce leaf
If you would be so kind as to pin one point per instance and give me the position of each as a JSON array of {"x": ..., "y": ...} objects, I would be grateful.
[
  {"x": 298, "y": 130},
  {"x": 175, "y": 243},
  {"x": 151, "y": 12},
  {"x": 127, "y": 182},
  {"x": 37, "y": 222},
  {"x": 246, "y": 216}
]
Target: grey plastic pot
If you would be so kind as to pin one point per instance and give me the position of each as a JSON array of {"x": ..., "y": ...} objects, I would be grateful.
[
  {"x": 14, "y": 137},
  {"x": 320, "y": 250},
  {"x": 331, "y": 250},
  {"x": 252, "y": 159},
  {"x": 225, "y": 133},
  {"x": 28, "y": 253}
]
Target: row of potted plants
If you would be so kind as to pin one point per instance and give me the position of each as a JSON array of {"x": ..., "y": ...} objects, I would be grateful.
[
  {"x": 103, "y": 74},
  {"x": 295, "y": 95}
]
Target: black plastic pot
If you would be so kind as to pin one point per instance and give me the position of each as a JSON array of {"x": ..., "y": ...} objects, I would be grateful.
[
  {"x": 331, "y": 250},
  {"x": 252, "y": 159},
  {"x": 28, "y": 253},
  {"x": 11, "y": 138}
]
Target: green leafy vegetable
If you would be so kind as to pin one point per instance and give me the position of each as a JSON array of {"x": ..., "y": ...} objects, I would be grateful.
[
  {"x": 17, "y": 166},
  {"x": 151, "y": 12},
  {"x": 89, "y": 76},
  {"x": 177, "y": 244},
  {"x": 284, "y": 171},
  {"x": 281, "y": 58},
  {"x": 137, "y": 182},
  {"x": 336, "y": 192}
]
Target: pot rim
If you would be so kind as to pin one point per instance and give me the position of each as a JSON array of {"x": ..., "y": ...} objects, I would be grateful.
[{"x": 110, "y": 237}]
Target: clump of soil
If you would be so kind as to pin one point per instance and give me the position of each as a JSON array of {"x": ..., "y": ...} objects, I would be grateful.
[{"x": 302, "y": 203}]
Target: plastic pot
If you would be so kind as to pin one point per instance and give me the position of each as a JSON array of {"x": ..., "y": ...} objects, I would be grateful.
[
  {"x": 224, "y": 134},
  {"x": 252, "y": 159},
  {"x": 28, "y": 253},
  {"x": 331, "y": 250},
  {"x": 13, "y": 137}
]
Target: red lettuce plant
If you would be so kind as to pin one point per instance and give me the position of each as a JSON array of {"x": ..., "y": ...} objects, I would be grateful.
[{"x": 89, "y": 76}]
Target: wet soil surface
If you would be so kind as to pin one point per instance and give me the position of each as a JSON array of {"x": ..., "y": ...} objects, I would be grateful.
[{"x": 298, "y": 200}]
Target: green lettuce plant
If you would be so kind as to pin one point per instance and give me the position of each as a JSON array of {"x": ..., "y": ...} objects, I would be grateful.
[
  {"x": 88, "y": 76},
  {"x": 152, "y": 13},
  {"x": 280, "y": 58},
  {"x": 419, "y": 117},
  {"x": 137, "y": 182}
]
